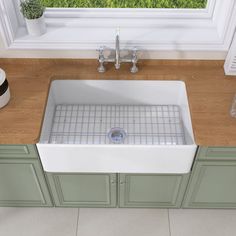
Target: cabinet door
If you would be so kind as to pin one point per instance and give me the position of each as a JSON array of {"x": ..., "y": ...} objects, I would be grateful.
[
  {"x": 212, "y": 185},
  {"x": 22, "y": 181},
  {"x": 83, "y": 190},
  {"x": 146, "y": 190}
]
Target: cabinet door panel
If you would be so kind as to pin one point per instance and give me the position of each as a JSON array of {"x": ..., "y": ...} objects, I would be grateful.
[
  {"x": 18, "y": 151},
  {"x": 83, "y": 190},
  {"x": 216, "y": 154},
  {"x": 212, "y": 185},
  {"x": 140, "y": 190},
  {"x": 22, "y": 183}
]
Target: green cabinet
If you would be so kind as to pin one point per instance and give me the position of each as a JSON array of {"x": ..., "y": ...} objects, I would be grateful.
[
  {"x": 213, "y": 180},
  {"x": 152, "y": 190},
  {"x": 83, "y": 189},
  {"x": 134, "y": 190},
  {"x": 22, "y": 181}
]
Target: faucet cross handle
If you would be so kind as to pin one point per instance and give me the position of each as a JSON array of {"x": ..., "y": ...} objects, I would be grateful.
[
  {"x": 134, "y": 60},
  {"x": 101, "y": 59}
]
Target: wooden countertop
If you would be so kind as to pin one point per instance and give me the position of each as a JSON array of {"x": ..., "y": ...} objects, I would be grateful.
[{"x": 210, "y": 94}]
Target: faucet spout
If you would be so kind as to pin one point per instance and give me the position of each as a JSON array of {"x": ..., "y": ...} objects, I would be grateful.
[{"x": 117, "y": 51}]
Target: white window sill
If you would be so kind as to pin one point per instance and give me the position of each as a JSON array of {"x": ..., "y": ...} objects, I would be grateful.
[{"x": 83, "y": 38}]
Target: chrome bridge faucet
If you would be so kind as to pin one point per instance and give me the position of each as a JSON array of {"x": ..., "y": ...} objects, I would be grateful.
[{"x": 115, "y": 57}]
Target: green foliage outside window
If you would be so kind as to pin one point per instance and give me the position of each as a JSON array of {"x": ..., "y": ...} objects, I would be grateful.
[{"x": 126, "y": 3}]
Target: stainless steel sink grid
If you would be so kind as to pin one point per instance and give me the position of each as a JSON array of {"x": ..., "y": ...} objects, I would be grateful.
[{"x": 143, "y": 124}]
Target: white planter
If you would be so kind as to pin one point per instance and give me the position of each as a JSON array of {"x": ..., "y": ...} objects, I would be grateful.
[{"x": 36, "y": 27}]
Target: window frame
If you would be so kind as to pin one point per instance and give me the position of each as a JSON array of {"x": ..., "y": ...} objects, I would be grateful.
[{"x": 215, "y": 24}]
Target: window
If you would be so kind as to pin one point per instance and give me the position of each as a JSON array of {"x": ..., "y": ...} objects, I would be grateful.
[
  {"x": 126, "y": 3},
  {"x": 208, "y": 28}
]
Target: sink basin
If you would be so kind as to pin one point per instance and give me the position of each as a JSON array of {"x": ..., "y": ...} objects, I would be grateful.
[{"x": 117, "y": 127}]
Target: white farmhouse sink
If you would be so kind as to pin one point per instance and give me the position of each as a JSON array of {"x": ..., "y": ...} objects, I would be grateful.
[{"x": 117, "y": 127}]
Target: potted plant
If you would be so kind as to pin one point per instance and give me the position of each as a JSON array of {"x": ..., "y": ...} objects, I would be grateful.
[{"x": 33, "y": 11}]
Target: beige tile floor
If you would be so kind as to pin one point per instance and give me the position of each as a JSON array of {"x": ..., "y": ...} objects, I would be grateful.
[{"x": 116, "y": 222}]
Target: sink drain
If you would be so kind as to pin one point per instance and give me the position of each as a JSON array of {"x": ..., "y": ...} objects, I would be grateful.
[{"x": 117, "y": 135}]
